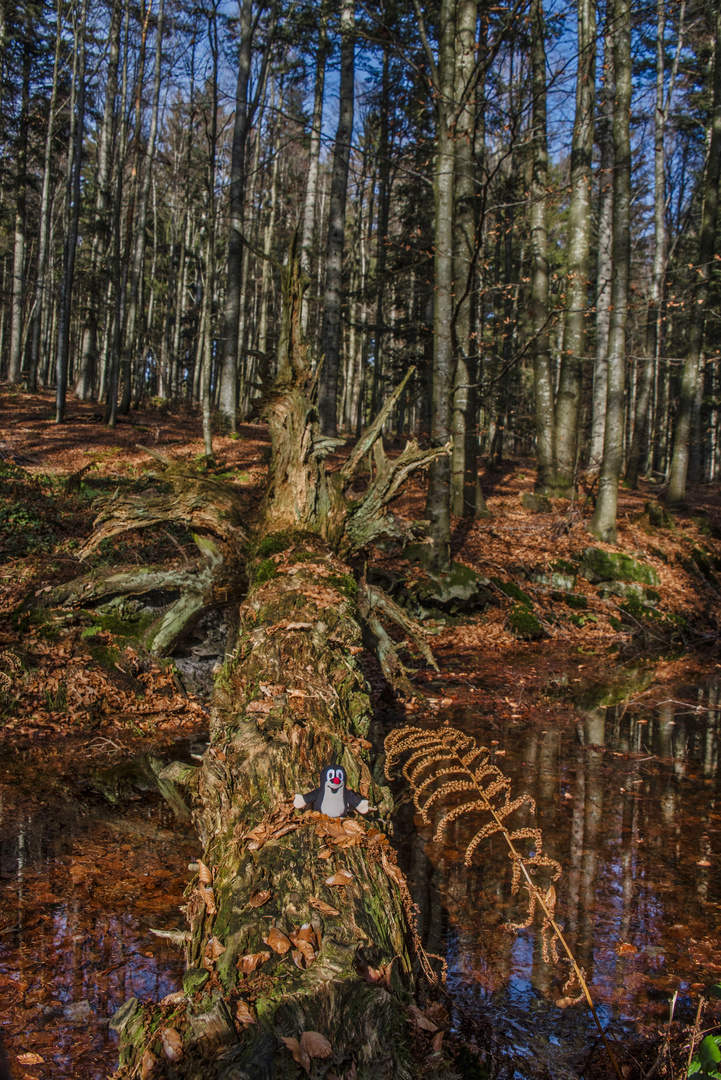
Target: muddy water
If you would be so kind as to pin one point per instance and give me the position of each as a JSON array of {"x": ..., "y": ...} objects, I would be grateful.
[
  {"x": 628, "y": 800},
  {"x": 90, "y": 858}
]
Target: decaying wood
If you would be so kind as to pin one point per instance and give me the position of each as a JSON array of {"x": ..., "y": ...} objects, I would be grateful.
[{"x": 301, "y": 954}]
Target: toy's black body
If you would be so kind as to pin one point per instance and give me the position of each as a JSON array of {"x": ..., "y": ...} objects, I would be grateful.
[{"x": 332, "y": 797}]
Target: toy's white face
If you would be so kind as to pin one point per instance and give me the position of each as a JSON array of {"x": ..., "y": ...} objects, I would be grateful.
[{"x": 334, "y": 779}]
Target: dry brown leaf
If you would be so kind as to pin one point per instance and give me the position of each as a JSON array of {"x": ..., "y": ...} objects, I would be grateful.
[
  {"x": 176, "y": 998},
  {"x": 564, "y": 1002},
  {"x": 325, "y": 853},
  {"x": 248, "y": 963},
  {"x": 148, "y": 1065},
  {"x": 421, "y": 1019},
  {"x": 204, "y": 874},
  {"x": 437, "y": 1040},
  {"x": 299, "y": 959},
  {"x": 341, "y": 877},
  {"x": 208, "y": 899},
  {"x": 277, "y": 940},
  {"x": 624, "y": 948},
  {"x": 305, "y": 948},
  {"x": 320, "y": 905},
  {"x": 244, "y": 1015},
  {"x": 315, "y": 1044},
  {"x": 30, "y": 1059},
  {"x": 214, "y": 949},
  {"x": 260, "y": 897},
  {"x": 393, "y": 871},
  {"x": 172, "y": 1044},
  {"x": 299, "y": 1054}
]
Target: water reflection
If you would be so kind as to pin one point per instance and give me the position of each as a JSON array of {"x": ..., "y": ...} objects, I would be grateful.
[
  {"x": 81, "y": 882},
  {"x": 628, "y": 802}
]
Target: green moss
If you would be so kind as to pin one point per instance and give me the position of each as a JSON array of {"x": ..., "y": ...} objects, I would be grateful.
[
  {"x": 524, "y": 624},
  {"x": 616, "y": 624},
  {"x": 264, "y": 571},
  {"x": 598, "y": 565},
  {"x": 563, "y": 566},
  {"x": 515, "y": 592},
  {"x": 578, "y": 620},
  {"x": 274, "y": 543},
  {"x": 346, "y": 584},
  {"x": 194, "y": 979},
  {"x": 575, "y": 600}
]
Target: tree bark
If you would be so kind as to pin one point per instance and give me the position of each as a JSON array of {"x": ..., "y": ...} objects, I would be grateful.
[
  {"x": 604, "y": 256},
  {"x": 332, "y": 295},
  {"x": 542, "y": 367},
  {"x": 579, "y": 235},
  {"x": 603, "y": 522},
  {"x": 311, "y": 190},
  {"x": 707, "y": 247},
  {"x": 21, "y": 183},
  {"x": 134, "y": 296},
  {"x": 74, "y": 168},
  {"x": 439, "y": 480}
]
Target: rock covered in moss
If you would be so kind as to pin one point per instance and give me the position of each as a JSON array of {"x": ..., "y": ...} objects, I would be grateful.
[
  {"x": 597, "y": 565},
  {"x": 524, "y": 624}
]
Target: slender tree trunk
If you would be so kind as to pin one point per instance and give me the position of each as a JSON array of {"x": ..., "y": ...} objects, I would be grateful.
[
  {"x": 266, "y": 285},
  {"x": 134, "y": 294},
  {"x": 707, "y": 249},
  {"x": 45, "y": 210},
  {"x": 21, "y": 180},
  {"x": 311, "y": 191},
  {"x": 604, "y": 257},
  {"x": 330, "y": 333},
  {"x": 463, "y": 485},
  {"x": 579, "y": 236},
  {"x": 75, "y": 157},
  {"x": 384, "y": 172},
  {"x": 439, "y": 480},
  {"x": 542, "y": 367},
  {"x": 229, "y": 377},
  {"x": 603, "y": 523},
  {"x": 84, "y": 385}
]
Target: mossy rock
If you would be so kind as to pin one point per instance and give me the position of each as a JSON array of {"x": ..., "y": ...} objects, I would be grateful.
[
  {"x": 653, "y": 518},
  {"x": 513, "y": 591},
  {"x": 462, "y": 589},
  {"x": 556, "y": 579},
  {"x": 597, "y": 565},
  {"x": 524, "y": 624},
  {"x": 537, "y": 504}
]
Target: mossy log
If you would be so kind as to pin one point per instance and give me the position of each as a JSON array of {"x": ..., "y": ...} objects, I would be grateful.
[{"x": 301, "y": 957}]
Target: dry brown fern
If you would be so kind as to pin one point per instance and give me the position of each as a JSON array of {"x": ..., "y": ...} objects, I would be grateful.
[{"x": 442, "y": 763}]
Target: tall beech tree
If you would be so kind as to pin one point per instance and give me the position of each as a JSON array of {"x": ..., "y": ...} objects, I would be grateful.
[
  {"x": 331, "y": 329},
  {"x": 603, "y": 522}
]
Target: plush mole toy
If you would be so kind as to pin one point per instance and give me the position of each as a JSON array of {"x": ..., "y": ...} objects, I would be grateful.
[{"x": 332, "y": 797}]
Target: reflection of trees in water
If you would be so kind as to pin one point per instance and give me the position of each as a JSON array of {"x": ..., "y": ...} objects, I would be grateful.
[{"x": 642, "y": 813}]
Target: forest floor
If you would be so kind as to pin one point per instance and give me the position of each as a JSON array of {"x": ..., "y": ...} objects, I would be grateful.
[{"x": 99, "y": 692}]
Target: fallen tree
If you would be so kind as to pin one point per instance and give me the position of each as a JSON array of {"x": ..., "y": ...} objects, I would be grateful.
[{"x": 300, "y": 947}]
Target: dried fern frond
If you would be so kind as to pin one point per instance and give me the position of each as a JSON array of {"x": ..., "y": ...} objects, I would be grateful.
[
  {"x": 445, "y": 762},
  {"x": 9, "y": 660}
]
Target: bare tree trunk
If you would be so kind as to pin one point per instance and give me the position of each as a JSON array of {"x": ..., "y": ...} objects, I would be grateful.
[
  {"x": 134, "y": 295},
  {"x": 74, "y": 169},
  {"x": 439, "y": 479},
  {"x": 463, "y": 467},
  {"x": 330, "y": 333},
  {"x": 18, "y": 279},
  {"x": 311, "y": 191},
  {"x": 603, "y": 522},
  {"x": 604, "y": 259},
  {"x": 384, "y": 171},
  {"x": 579, "y": 236},
  {"x": 542, "y": 367},
  {"x": 84, "y": 385}
]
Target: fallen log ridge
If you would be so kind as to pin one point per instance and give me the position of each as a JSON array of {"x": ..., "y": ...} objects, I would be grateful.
[{"x": 300, "y": 950}]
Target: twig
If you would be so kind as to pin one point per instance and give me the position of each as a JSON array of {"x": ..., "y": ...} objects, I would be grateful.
[{"x": 695, "y": 1032}]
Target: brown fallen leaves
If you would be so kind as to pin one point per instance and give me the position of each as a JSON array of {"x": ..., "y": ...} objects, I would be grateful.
[
  {"x": 251, "y": 962},
  {"x": 172, "y": 1044},
  {"x": 311, "y": 1045},
  {"x": 60, "y": 682},
  {"x": 304, "y": 943}
]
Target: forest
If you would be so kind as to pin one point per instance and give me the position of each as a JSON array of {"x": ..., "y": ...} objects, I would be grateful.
[
  {"x": 519, "y": 204},
  {"x": 359, "y": 411}
]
